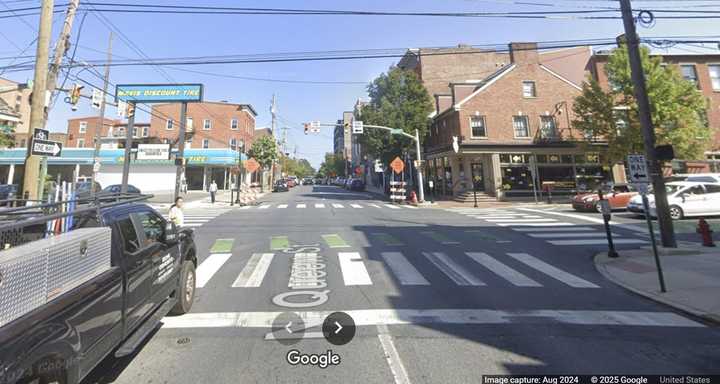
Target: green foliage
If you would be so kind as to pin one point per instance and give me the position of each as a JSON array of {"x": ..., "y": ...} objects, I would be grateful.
[
  {"x": 677, "y": 109},
  {"x": 334, "y": 165},
  {"x": 7, "y": 137},
  {"x": 297, "y": 167},
  {"x": 264, "y": 150},
  {"x": 397, "y": 100}
]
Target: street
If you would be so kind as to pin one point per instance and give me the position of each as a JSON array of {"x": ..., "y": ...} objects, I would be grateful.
[{"x": 438, "y": 296}]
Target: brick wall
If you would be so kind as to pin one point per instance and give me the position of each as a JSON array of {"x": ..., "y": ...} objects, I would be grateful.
[{"x": 75, "y": 138}]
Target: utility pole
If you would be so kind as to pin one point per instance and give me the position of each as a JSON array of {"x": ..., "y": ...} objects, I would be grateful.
[
  {"x": 128, "y": 147},
  {"x": 180, "y": 168},
  {"x": 632, "y": 40},
  {"x": 44, "y": 81},
  {"x": 273, "y": 112},
  {"x": 101, "y": 120}
]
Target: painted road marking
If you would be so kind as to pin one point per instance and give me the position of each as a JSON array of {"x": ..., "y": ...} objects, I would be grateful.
[
  {"x": 391, "y": 354},
  {"x": 596, "y": 241},
  {"x": 222, "y": 246},
  {"x": 405, "y": 272},
  {"x": 373, "y": 317},
  {"x": 356, "y": 205},
  {"x": 571, "y": 234},
  {"x": 551, "y": 271},
  {"x": 282, "y": 206},
  {"x": 264, "y": 206},
  {"x": 391, "y": 206},
  {"x": 492, "y": 217},
  {"x": 387, "y": 239},
  {"x": 301, "y": 206},
  {"x": 514, "y": 277},
  {"x": 520, "y": 220},
  {"x": 353, "y": 269},
  {"x": 553, "y": 229},
  {"x": 335, "y": 205},
  {"x": 410, "y": 206},
  {"x": 245, "y": 207},
  {"x": 453, "y": 270},
  {"x": 374, "y": 205},
  {"x": 319, "y": 205},
  {"x": 252, "y": 275},
  {"x": 209, "y": 267},
  {"x": 440, "y": 238},
  {"x": 279, "y": 242},
  {"x": 193, "y": 224},
  {"x": 536, "y": 224},
  {"x": 335, "y": 241}
]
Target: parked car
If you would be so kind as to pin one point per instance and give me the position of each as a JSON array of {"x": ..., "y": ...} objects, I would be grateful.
[
  {"x": 356, "y": 185},
  {"x": 280, "y": 186},
  {"x": 308, "y": 181},
  {"x": 116, "y": 188},
  {"x": 290, "y": 183},
  {"x": 688, "y": 199},
  {"x": 150, "y": 273},
  {"x": 619, "y": 197},
  {"x": 8, "y": 191},
  {"x": 703, "y": 178},
  {"x": 82, "y": 189}
]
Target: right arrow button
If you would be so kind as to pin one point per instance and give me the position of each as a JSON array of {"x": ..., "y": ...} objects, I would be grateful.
[{"x": 338, "y": 328}]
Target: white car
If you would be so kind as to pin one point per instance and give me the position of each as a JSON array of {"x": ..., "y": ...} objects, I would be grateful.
[
  {"x": 687, "y": 199},
  {"x": 703, "y": 177}
]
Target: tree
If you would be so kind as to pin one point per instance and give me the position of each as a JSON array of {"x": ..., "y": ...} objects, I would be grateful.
[
  {"x": 264, "y": 150},
  {"x": 297, "y": 167},
  {"x": 677, "y": 107},
  {"x": 7, "y": 137},
  {"x": 398, "y": 99},
  {"x": 333, "y": 165}
]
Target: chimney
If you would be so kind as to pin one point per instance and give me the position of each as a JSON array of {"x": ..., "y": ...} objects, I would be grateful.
[
  {"x": 524, "y": 53},
  {"x": 442, "y": 103},
  {"x": 461, "y": 91}
]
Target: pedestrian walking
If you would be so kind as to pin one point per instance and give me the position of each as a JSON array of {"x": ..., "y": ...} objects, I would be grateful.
[
  {"x": 213, "y": 191},
  {"x": 176, "y": 214}
]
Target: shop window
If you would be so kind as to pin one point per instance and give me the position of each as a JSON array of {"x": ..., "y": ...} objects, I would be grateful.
[
  {"x": 518, "y": 159},
  {"x": 529, "y": 89},
  {"x": 477, "y": 126},
  {"x": 579, "y": 159},
  {"x": 521, "y": 126},
  {"x": 554, "y": 159},
  {"x": 690, "y": 74},
  {"x": 541, "y": 158},
  {"x": 566, "y": 159},
  {"x": 504, "y": 158},
  {"x": 516, "y": 178}
]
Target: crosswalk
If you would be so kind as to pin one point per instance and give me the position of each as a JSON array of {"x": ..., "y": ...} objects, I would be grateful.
[
  {"x": 198, "y": 218},
  {"x": 348, "y": 206},
  {"x": 464, "y": 269},
  {"x": 553, "y": 230}
]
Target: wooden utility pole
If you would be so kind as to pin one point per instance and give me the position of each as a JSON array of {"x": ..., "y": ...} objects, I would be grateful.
[
  {"x": 632, "y": 40},
  {"x": 44, "y": 81},
  {"x": 101, "y": 120}
]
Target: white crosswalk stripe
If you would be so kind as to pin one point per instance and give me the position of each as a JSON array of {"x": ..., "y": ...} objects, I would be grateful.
[
  {"x": 551, "y": 271},
  {"x": 405, "y": 272},
  {"x": 596, "y": 241},
  {"x": 335, "y": 205},
  {"x": 254, "y": 272},
  {"x": 264, "y": 206},
  {"x": 553, "y": 229},
  {"x": 209, "y": 267},
  {"x": 453, "y": 270},
  {"x": 569, "y": 235},
  {"x": 319, "y": 205},
  {"x": 281, "y": 206},
  {"x": 548, "y": 224},
  {"x": 194, "y": 220},
  {"x": 392, "y": 206},
  {"x": 301, "y": 206},
  {"x": 502, "y": 270},
  {"x": 521, "y": 220},
  {"x": 353, "y": 269},
  {"x": 356, "y": 205}
]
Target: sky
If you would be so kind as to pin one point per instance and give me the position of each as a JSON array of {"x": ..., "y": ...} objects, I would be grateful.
[{"x": 199, "y": 35}]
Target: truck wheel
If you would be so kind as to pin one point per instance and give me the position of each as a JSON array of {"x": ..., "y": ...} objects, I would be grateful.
[{"x": 185, "y": 292}]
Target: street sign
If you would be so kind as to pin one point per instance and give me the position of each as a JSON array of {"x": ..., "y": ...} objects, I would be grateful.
[
  {"x": 252, "y": 165},
  {"x": 357, "y": 127},
  {"x": 96, "y": 166},
  {"x": 637, "y": 169},
  {"x": 397, "y": 165},
  {"x": 378, "y": 166},
  {"x": 46, "y": 148},
  {"x": 121, "y": 108},
  {"x": 315, "y": 125},
  {"x": 153, "y": 152},
  {"x": 41, "y": 134},
  {"x": 97, "y": 98}
]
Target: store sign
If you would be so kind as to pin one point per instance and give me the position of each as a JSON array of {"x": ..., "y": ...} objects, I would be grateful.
[
  {"x": 153, "y": 152},
  {"x": 159, "y": 93}
]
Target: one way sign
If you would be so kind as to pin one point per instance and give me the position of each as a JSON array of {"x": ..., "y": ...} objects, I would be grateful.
[
  {"x": 637, "y": 169},
  {"x": 46, "y": 148}
]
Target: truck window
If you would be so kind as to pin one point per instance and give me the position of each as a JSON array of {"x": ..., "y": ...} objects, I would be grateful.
[
  {"x": 153, "y": 226},
  {"x": 129, "y": 236}
]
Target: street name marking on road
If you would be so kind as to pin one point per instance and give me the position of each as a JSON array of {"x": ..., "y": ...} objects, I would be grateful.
[
  {"x": 207, "y": 269},
  {"x": 373, "y": 317},
  {"x": 596, "y": 241},
  {"x": 403, "y": 270},
  {"x": 279, "y": 242},
  {"x": 514, "y": 277},
  {"x": 555, "y": 273},
  {"x": 301, "y": 206},
  {"x": 387, "y": 239},
  {"x": 252, "y": 275},
  {"x": 335, "y": 241},
  {"x": 353, "y": 269},
  {"x": 453, "y": 270},
  {"x": 440, "y": 238},
  {"x": 222, "y": 246}
]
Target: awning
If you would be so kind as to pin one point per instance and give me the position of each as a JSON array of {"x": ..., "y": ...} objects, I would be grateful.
[{"x": 6, "y": 117}]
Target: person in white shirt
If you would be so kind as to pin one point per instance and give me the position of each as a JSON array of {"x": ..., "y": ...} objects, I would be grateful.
[
  {"x": 213, "y": 191},
  {"x": 176, "y": 214}
]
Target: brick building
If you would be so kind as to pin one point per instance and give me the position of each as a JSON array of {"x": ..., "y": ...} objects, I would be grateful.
[
  {"x": 81, "y": 132},
  {"x": 15, "y": 109},
  {"x": 512, "y": 128},
  {"x": 209, "y": 124}
]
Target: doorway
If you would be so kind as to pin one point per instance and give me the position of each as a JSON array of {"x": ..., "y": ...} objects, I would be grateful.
[{"x": 478, "y": 177}]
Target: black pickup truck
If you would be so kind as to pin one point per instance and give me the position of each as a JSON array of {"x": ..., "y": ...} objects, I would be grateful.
[{"x": 152, "y": 274}]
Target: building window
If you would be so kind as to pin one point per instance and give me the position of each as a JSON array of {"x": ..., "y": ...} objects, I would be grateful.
[
  {"x": 206, "y": 143},
  {"x": 234, "y": 124},
  {"x": 135, "y": 132},
  {"x": 521, "y": 126},
  {"x": 233, "y": 144},
  {"x": 146, "y": 131},
  {"x": 689, "y": 74},
  {"x": 477, "y": 126},
  {"x": 81, "y": 143},
  {"x": 169, "y": 124},
  {"x": 83, "y": 127},
  {"x": 715, "y": 76},
  {"x": 207, "y": 124},
  {"x": 529, "y": 89},
  {"x": 189, "y": 123},
  {"x": 548, "y": 129}
]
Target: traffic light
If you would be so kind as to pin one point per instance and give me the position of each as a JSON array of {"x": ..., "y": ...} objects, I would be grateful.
[
  {"x": 130, "y": 110},
  {"x": 75, "y": 96},
  {"x": 307, "y": 128}
]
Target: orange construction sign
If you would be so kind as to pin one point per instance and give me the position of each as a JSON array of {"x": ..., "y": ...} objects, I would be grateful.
[
  {"x": 397, "y": 165},
  {"x": 252, "y": 165}
]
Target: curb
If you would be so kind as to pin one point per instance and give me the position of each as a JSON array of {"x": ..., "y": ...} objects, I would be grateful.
[{"x": 687, "y": 310}]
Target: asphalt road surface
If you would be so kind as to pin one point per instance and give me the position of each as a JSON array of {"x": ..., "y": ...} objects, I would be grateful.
[{"x": 438, "y": 296}]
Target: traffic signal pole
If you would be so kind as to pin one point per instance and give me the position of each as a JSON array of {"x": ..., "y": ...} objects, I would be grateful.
[
  {"x": 101, "y": 120},
  {"x": 181, "y": 150},
  {"x": 667, "y": 233}
]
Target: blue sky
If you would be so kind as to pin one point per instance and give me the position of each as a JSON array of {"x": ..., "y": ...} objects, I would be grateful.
[{"x": 197, "y": 35}]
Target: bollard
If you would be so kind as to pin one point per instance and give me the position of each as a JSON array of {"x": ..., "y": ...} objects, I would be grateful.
[{"x": 704, "y": 230}]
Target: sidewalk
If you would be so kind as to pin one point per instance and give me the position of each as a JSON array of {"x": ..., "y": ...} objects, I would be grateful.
[
  {"x": 222, "y": 200},
  {"x": 692, "y": 277},
  {"x": 196, "y": 199}
]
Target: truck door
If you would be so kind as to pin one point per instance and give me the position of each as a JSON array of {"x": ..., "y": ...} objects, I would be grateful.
[
  {"x": 165, "y": 257},
  {"x": 139, "y": 271}
]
